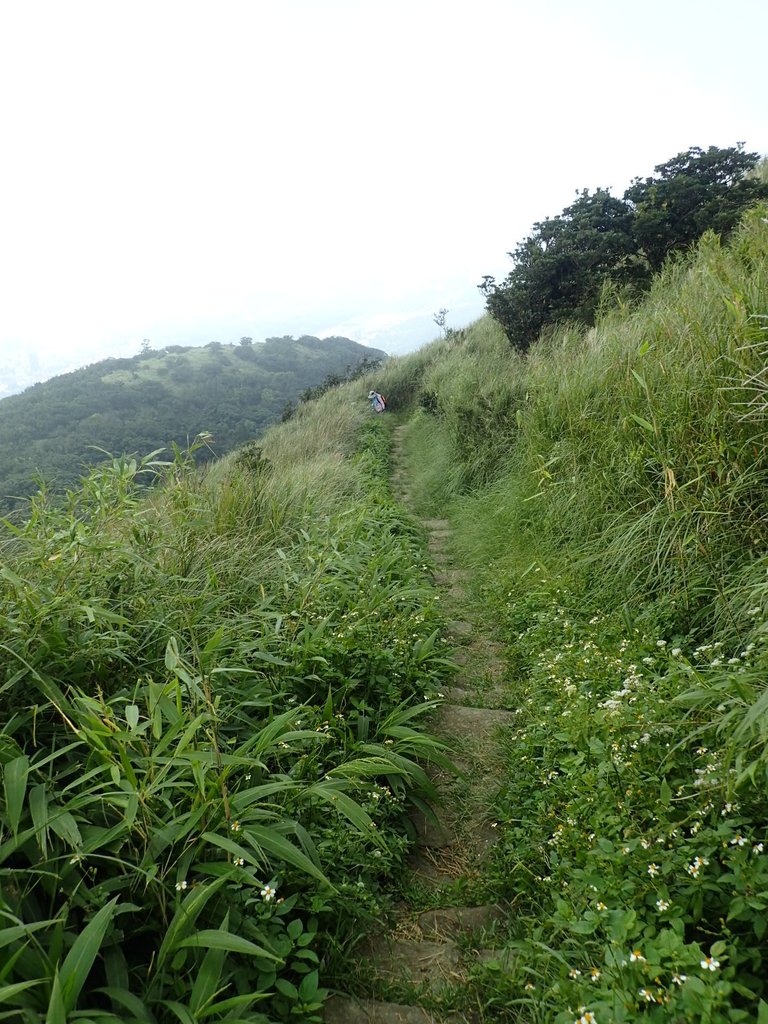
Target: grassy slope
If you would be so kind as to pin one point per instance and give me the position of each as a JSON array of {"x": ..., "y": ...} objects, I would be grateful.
[
  {"x": 210, "y": 703},
  {"x": 156, "y": 398},
  {"x": 610, "y": 491},
  {"x": 265, "y": 622}
]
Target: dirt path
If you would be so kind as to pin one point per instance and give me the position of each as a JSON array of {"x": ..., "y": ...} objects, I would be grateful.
[{"x": 421, "y": 968}]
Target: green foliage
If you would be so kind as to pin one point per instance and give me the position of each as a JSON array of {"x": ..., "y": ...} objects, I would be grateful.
[
  {"x": 157, "y": 399},
  {"x": 562, "y": 270},
  {"x": 212, "y": 696},
  {"x": 609, "y": 489},
  {"x": 696, "y": 191}
]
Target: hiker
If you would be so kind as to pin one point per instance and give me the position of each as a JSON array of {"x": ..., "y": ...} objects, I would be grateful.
[{"x": 378, "y": 402}]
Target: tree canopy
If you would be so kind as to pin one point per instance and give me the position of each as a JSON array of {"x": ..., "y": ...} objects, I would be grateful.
[
  {"x": 158, "y": 398},
  {"x": 561, "y": 268}
]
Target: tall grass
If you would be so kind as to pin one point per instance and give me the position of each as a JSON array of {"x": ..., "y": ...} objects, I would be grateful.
[{"x": 211, "y": 695}]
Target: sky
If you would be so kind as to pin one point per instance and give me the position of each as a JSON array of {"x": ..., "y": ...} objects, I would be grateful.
[{"x": 187, "y": 171}]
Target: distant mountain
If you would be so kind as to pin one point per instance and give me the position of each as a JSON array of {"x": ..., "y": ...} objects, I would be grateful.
[{"x": 158, "y": 397}]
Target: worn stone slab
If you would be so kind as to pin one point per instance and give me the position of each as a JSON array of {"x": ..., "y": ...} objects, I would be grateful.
[
  {"x": 450, "y": 922},
  {"x": 460, "y": 628},
  {"x": 436, "y": 524},
  {"x": 429, "y": 833},
  {"x": 449, "y": 577},
  {"x": 343, "y": 1010},
  {"x": 425, "y": 963}
]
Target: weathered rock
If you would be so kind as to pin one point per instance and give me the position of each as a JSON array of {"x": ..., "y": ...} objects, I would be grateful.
[
  {"x": 452, "y": 921},
  {"x": 434, "y": 965},
  {"x": 343, "y": 1010}
]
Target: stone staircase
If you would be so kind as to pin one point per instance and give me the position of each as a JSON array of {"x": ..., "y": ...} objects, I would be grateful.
[{"x": 426, "y": 958}]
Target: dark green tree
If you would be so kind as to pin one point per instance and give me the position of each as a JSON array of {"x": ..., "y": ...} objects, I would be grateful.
[
  {"x": 696, "y": 191},
  {"x": 559, "y": 269}
]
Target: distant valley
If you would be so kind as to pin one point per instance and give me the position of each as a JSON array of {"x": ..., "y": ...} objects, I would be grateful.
[{"x": 161, "y": 396}]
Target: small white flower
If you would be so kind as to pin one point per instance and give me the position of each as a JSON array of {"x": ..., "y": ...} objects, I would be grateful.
[
  {"x": 239, "y": 861},
  {"x": 679, "y": 979},
  {"x": 676, "y": 652},
  {"x": 181, "y": 886},
  {"x": 738, "y": 841},
  {"x": 661, "y": 643},
  {"x": 653, "y": 870},
  {"x": 636, "y": 957},
  {"x": 235, "y": 825},
  {"x": 268, "y": 893},
  {"x": 663, "y": 905},
  {"x": 710, "y": 964},
  {"x": 757, "y": 848}
]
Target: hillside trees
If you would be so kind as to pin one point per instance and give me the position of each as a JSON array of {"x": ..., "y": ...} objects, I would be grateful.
[
  {"x": 156, "y": 399},
  {"x": 561, "y": 269}
]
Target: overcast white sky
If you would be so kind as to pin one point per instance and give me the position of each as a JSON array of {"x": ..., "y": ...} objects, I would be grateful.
[{"x": 191, "y": 171}]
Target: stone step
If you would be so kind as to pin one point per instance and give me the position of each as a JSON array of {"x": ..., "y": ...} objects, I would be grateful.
[
  {"x": 460, "y": 628},
  {"x": 450, "y": 922},
  {"x": 450, "y": 577},
  {"x": 423, "y": 964},
  {"x": 344, "y": 1010},
  {"x": 460, "y": 721},
  {"x": 436, "y": 524}
]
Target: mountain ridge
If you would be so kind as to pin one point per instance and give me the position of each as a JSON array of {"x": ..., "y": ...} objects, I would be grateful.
[{"x": 162, "y": 397}]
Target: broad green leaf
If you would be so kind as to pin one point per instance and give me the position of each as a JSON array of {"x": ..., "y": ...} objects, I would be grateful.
[
  {"x": 128, "y": 1001},
  {"x": 223, "y": 1007},
  {"x": 65, "y": 827},
  {"x": 132, "y": 715},
  {"x": 79, "y": 960},
  {"x": 643, "y": 423},
  {"x": 208, "y": 976},
  {"x": 56, "y": 1013},
  {"x": 9, "y": 991},
  {"x": 38, "y": 806},
  {"x": 15, "y": 786},
  {"x": 185, "y": 917},
  {"x": 181, "y": 1012},
  {"x": 215, "y": 938},
  {"x": 19, "y": 931},
  {"x": 262, "y": 839}
]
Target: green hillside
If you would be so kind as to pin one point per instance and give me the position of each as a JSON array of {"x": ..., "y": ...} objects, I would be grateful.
[
  {"x": 219, "y": 696},
  {"x": 159, "y": 397}
]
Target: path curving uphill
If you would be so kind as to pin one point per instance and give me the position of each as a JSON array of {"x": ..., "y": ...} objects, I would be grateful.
[{"x": 424, "y": 962}]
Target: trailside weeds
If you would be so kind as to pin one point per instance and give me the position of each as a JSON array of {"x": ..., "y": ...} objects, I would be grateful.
[{"x": 635, "y": 860}]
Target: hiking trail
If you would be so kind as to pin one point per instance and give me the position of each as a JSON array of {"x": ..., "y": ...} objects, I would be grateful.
[{"x": 424, "y": 960}]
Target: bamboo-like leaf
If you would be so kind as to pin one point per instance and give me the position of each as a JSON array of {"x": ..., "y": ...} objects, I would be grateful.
[
  {"x": 215, "y": 938},
  {"x": 332, "y": 793},
  {"x": 15, "y": 785},
  {"x": 281, "y": 848},
  {"x": 56, "y": 1013},
  {"x": 183, "y": 1014},
  {"x": 9, "y": 991},
  {"x": 127, "y": 1001},
  {"x": 208, "y": 975},
  {"x": 38, "y": 807},
  {"x": 79, "y": 960},
  {"x": 223, "y": 1007},
  {"x": 185, "y": 917},
  {"x": 19, "y": 931},
  {"x": 643, "y": 423}
]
